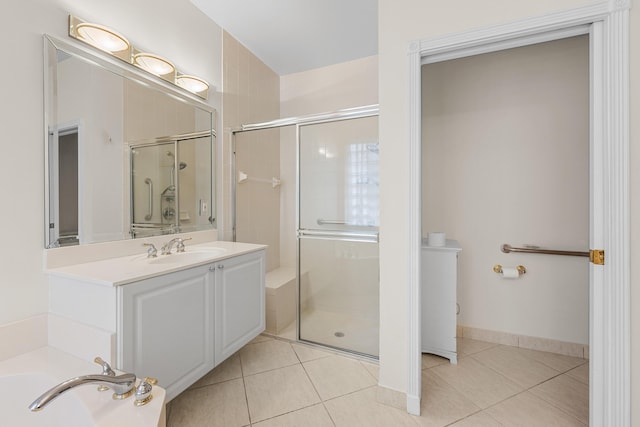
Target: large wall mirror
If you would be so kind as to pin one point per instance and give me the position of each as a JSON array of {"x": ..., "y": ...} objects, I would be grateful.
[{"x": 126, "y": 155}]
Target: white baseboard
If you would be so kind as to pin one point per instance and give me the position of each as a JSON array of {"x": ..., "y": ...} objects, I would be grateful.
[{"x": 524, "y": 341}]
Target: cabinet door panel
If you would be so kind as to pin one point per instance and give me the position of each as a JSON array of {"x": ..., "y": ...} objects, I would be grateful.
[
  {"x": 439, "y": 283},
  {"x": 240, "y": 304},
  {"x": 168, "y": 328}
]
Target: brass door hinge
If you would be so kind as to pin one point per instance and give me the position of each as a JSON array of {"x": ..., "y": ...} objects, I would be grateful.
[{"x": 596, "y": 256}]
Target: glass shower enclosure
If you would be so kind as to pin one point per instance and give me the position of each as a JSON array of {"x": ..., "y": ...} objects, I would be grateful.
[
  {"x": 338, "y": 234},
  {"x": 308, "y": 188}
]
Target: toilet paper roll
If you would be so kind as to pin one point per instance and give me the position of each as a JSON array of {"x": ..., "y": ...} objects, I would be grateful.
[
  {"x": 436, "y": 238},
  {"x": 510, "y": 273}
]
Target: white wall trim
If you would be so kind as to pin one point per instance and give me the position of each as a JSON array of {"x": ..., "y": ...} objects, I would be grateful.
[
  {"x": 414, "y": 368},
  {"x": 610, "y": 314}
]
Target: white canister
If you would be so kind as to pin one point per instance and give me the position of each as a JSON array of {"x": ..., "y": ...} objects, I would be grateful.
[{"x": 436, "y": 238}]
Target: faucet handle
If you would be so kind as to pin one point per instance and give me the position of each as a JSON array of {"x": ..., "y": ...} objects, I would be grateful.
[
  {"x": 180, "y": 245},
  {"x": 152, "y": 252},
  {"x": 106, "y": 370},
  {"x": 143, "y": 391}
]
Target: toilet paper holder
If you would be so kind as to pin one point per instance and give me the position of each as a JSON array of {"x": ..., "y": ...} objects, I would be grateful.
[{"x": 521, "y": 269}]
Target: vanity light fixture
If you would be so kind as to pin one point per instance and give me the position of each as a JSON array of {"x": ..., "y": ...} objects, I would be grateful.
[
  {"x": 192, "y": 83},
  {"x": 155, "y": 64},
  {"x": 102, "y": 38},
  {"x": 116, "y": 45}
]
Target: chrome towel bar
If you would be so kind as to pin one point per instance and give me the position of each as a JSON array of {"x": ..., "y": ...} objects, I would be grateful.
[{"x": 534, "y": 250}]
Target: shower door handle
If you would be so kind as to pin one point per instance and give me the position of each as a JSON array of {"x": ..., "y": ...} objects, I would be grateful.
[
  {"x": 321, "y": 221},
  {"x": 338, "y": 235},
  {"x": 149, "y": 182}
]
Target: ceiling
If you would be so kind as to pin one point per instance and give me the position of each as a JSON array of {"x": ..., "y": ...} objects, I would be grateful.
[{"x": 298, "y": 35}]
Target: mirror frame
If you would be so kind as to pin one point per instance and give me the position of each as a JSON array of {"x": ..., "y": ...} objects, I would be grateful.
[{"x": 109, "y": 63}]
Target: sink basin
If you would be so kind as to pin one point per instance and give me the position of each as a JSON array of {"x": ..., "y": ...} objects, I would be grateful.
[{"x": 188, "y": 256}]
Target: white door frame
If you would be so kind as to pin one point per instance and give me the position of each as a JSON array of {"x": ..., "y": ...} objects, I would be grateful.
[{"x": 607, "y": 22}]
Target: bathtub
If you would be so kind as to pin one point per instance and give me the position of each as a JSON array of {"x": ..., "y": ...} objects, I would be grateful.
[{"x": 25, "y": 377}]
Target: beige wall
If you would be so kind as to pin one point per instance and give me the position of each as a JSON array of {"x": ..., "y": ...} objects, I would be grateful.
[
  {"x": 349, "y": 84},
  {"x": 176, "y": 30},
  {"x": 251, "y": 94},
  {"x": 505, "y": 159},
  {"x": 403, "y": 21}
]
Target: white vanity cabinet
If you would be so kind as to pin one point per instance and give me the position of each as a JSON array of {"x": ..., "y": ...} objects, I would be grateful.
[
  {"x": 166, "y": 328},
  {"x": 439, "y": 289},
  {"x": 177, "y": 327},
  {"x": 173, "y": 323},
  {"x": 239, "y": 302}
]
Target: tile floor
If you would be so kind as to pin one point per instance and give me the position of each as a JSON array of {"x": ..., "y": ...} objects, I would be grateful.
[{"x": 273, "y": 383}]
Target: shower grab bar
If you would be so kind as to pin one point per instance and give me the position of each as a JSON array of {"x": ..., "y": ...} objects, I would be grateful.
[
  {"x": 534, "y": 250},
  {"x": 149, "y": 182}
]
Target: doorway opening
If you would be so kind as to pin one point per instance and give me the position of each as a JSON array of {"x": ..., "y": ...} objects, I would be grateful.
[
  {"x": 505, "y": 160},
  {"x": 64, "y": 226},
  {"x": 609, "y": 312}
]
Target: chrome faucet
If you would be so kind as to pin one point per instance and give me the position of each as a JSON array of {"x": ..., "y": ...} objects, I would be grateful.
[
  {"x": 166, "y": 248},
  {"x": 152, "y": 252},
  {"x": 106, "y": 370},
  {"x": 122, "y": 386}
]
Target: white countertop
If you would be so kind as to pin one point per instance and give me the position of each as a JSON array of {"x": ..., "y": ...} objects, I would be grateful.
[{"x": 132, "y": 268}]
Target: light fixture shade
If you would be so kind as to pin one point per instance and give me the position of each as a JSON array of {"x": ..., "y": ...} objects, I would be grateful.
[
  {"x": 154, "y": 64},
  {"x": 116, "y": 45},
  {"x": 102, "y": 37},
  {"x": 192, "y": 83}
]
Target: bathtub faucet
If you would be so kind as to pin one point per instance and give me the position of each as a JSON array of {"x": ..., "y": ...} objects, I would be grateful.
[{"x": 122, "y": 386}]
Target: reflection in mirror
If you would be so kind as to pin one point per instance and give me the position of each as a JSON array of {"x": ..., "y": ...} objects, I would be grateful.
[
  {"x": 166, "y": 172},
  {"x": 126, "y": 156}
]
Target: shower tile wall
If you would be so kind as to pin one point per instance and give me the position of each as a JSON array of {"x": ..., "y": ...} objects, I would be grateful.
[
  {"x": 257, "y": 202},
  {"x": 250, "y": 94}
]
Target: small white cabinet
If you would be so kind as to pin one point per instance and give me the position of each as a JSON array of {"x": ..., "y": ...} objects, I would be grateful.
[{"x": 439, "y": 282}]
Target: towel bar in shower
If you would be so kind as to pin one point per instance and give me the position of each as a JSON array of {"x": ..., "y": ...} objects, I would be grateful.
[{"x": 508, "y": 248}]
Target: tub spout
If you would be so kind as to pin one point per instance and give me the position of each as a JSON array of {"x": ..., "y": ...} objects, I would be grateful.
[{"x": 122, "y": 386}]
